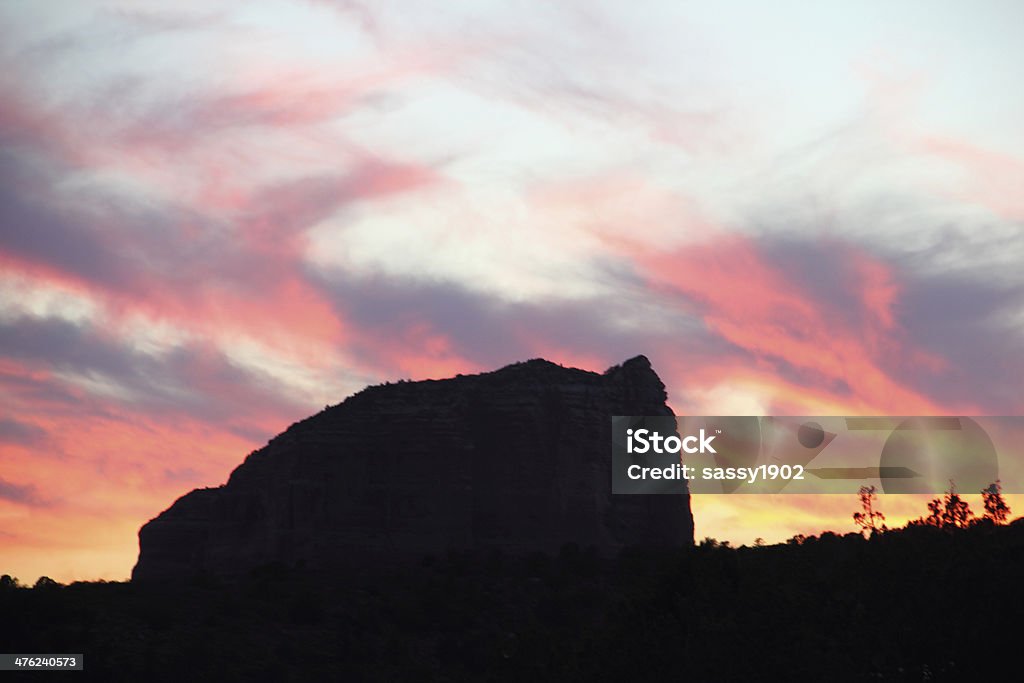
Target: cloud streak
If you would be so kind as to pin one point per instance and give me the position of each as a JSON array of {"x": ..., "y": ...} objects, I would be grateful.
[{"x": 21, "y": 494}]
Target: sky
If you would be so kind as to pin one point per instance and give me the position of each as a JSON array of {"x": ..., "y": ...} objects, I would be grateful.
[{"x": 217, "y": 218}]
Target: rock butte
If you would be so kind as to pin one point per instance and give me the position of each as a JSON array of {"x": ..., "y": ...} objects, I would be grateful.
[{"x": 517, "y": 459}]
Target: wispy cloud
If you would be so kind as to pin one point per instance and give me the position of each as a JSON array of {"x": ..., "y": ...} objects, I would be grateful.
[
  {"x": 22, "y": 494},
  {"x": 23, "y": 433}
]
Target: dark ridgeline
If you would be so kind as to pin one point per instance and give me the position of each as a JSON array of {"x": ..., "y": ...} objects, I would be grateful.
[{"x": 517, "y": 460}]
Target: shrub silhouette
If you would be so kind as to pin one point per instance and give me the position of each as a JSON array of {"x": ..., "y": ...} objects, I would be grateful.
[
  {"x": 949, "y": 512},
  {"x": 996, "y": 508},
  {"x": 870, "y": 520}
]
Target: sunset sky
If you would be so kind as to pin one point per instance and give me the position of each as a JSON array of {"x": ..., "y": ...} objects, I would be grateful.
[{"x": 217, "y": 219}]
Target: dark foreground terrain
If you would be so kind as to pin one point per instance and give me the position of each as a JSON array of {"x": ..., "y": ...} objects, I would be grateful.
[{"x": 917, "y": 604}]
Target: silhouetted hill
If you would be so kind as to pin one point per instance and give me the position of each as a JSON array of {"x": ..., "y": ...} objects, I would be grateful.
[{"x": 517, "y": 459}]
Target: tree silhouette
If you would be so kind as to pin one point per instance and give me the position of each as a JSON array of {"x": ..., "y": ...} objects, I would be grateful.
[
  {"x": 951, "y": 512},
  {"x": 996, "y": 508},
  {"x": 935, "y": 509},
  {"x": 870, "y": 520},
  {"x": 957, "y": 512}
]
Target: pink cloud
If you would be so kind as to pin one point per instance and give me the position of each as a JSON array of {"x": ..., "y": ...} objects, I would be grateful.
[
  {"x": 753, "y": 304},
  {"x": 992, "y": 179}
]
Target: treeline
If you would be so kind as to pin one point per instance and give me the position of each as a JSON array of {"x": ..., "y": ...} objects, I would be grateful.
[
  {"x": 950, "y": 511},
  {"x": 919, "y": 603},
  {"x": 939, "y": 599}
]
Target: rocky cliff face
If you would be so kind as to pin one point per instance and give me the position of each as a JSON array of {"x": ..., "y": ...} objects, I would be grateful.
[{"x": 517, "y": 459}]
